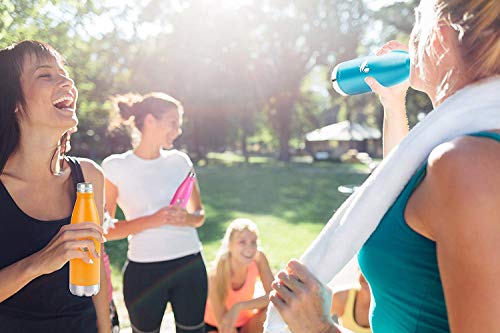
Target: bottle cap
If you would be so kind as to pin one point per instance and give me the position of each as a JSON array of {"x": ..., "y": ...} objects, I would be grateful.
[
  {"x": 84, "y": 188},
  {"x": 335, "y": 82}
]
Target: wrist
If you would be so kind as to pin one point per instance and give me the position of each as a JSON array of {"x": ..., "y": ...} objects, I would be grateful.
[
  {"x": 149, "y": 221},
  {"x": 32, "y": 267},
  {"x": 194, "y": 220},
  {"x": 237, "y": 307},
  {"x": 329, "y": 328},
  {"x": 395, "y": 108}
]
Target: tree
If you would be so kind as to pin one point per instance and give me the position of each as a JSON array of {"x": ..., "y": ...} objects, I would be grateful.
[
  {"x": 90, "y": 60},
  {"x": 295, "y": 37}
]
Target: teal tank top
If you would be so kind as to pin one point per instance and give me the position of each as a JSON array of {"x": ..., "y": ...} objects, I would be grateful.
[{"x": 401, "y": 268}]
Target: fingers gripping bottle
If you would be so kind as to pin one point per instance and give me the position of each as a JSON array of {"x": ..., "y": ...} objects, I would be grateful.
[
  {"x": 348, "y": 78},
  {"x": 84, "y": 277},
  {"x": 183, "y": 193}
]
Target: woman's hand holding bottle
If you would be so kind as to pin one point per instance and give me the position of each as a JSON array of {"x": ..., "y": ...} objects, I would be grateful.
[
  {"x": 170, "y": 215},
  {"x": 178, "y": 215},
  {"x": 392, "y": 98},
  {"x": 67, "y": 244}
]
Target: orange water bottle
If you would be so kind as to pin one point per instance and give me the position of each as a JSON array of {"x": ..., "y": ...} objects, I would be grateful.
[{"x": 84, "y": 277}]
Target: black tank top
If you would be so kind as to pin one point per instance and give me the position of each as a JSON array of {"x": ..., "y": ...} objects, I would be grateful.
[{"x": 45, "y": 304}]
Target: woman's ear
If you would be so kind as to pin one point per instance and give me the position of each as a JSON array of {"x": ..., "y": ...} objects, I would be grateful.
[
  {"x": 444, "y": 39},
  {"x": 149, "y": 120}
]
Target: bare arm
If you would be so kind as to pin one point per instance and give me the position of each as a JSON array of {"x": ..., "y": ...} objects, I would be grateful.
[
  {"x": 195, "y": 212},
  {"x": 460, "y": 199},
  {"x": 94, "y": 174},
  {"x": 395, "y": 126},
  {"x": 393, "y": 100},
  {"x": 123, "y": 229},
  {"x": 338, "y": 303},
  {"x": 64, "y": 246},
  {"x": 218, "y": 308},
  {"x": 266, "y": 276},
  {"x": 17, "y": 275}
]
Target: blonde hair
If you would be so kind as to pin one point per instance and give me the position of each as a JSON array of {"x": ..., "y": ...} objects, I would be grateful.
[
  {"x": 221, "y": 269},
  {"x": 477, "y": 25}
]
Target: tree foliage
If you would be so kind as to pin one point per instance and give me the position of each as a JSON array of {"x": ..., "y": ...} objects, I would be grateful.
[{"x": 243, "y": 70}]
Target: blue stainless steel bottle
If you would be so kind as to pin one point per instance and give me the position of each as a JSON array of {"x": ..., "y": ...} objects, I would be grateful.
[{"x": 348, "y": 78}]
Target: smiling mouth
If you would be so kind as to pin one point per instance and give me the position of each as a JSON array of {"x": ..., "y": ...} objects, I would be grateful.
[{"x": 64, "y": 102}]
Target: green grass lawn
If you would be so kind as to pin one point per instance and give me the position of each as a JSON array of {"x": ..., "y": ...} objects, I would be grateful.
[{"x": 289, "y": 202}]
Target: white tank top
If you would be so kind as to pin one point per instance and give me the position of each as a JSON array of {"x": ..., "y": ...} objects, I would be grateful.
[{"x": 145, "y": 186}]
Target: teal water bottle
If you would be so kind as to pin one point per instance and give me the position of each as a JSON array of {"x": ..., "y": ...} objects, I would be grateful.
[{"x": 348, "y": 78}]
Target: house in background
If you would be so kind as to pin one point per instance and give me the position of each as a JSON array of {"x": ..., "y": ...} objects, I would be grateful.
[{"x": 333, "y": 141}]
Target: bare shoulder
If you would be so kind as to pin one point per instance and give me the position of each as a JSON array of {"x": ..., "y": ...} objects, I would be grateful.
[
  {"x": 465, "y": 191},
  {"x": 260, "y": 258},
  {"x": 341, "y": 296},
  {"x": 339, "y": 300},
  {"x": 466, "y": 163},
  {"x": 91, "y": 170},
  {"x": 211, "y": 276},
  {"x": 464, "y": 182}
]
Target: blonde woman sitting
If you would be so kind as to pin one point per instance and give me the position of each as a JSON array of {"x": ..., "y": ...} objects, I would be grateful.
[{"x": 231, "y": 306}]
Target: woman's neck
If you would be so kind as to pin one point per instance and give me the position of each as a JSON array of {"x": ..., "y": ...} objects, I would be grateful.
[
  {"x": 34, "y": 158},
  {"x": 147, "y": 151},
  {"x": 449, "y": 85},
  {"x": 237, "y": 268}
]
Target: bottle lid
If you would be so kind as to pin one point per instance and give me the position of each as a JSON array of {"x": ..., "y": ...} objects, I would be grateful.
[
  {"x": 84, "y": 188},
  {"x": 335, "y": 82}
]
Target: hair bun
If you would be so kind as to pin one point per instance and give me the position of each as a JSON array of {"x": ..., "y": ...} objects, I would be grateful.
[{"x": 126, "y": 110}]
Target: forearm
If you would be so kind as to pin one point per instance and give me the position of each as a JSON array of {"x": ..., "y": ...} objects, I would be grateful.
[
  {"x": 17, "y": 275},
  {"x": 395, "y": 126},
  {"x": 101, "y": 303},
  {"x": 196, "y": 219},
  {"x": 123, "y": 229},
  {"x": 256, "y": 303}
]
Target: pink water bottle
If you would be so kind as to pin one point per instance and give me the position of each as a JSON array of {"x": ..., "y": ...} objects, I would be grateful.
[{"x": 183, "y": 193}]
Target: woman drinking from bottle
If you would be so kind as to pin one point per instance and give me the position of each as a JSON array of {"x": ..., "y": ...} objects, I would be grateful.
[
  {"x": 433, "y": 261},
  {"x": 37, "y": 194},
  {"x": 164, "y": 259}
]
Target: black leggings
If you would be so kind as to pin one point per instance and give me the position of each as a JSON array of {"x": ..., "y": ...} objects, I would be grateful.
[{"x": 148, "y": 287}]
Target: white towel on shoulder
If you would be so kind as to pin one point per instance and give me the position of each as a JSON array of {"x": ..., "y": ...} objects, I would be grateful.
[{"x": 471, "y": 109}]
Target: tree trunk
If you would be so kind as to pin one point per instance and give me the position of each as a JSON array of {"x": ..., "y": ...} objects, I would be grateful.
[
  {"x": 244, "y": 149},
  {"x": 284, "y": 113},
  {"x": 196, "y": 141},
  {"x": 284, "y": 145}
]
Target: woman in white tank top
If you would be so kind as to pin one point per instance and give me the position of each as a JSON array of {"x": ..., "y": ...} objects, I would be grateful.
[{"x": 164, "y": 261}]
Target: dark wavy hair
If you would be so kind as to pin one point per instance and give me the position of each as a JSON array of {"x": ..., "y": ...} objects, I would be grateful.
[{"x": 12, "y": 100}]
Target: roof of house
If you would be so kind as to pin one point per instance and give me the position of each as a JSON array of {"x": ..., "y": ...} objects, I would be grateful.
[{"x": 344, "y": 131}]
